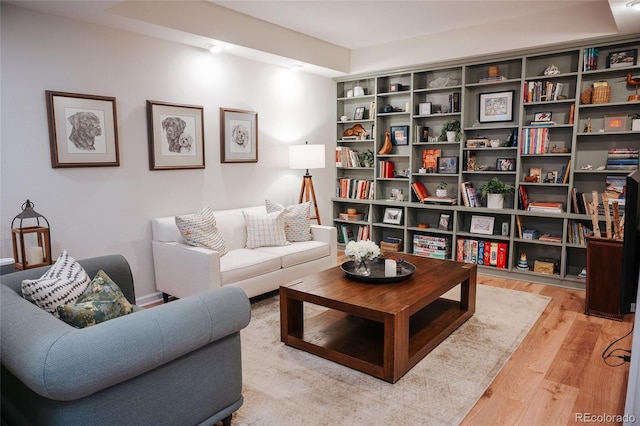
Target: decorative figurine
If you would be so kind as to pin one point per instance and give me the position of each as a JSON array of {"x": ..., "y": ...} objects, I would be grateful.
[
  {"x": 386, "y": 148},
  {"x": 522, "y": 263},
  {"x": 587, "y": 127}
]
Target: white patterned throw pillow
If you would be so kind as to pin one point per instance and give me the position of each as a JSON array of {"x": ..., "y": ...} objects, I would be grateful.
[
  {"x": 264, "y": 230},
  {"x": 200, "y": 230},
  {"x": 63, "y": 283},
  {"x": 297, "y": 221}
]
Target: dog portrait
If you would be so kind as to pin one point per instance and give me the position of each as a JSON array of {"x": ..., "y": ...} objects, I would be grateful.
[
  {"x": 85, "y": 126},
  {"x": 240, "y": 136},
  {"x": 173, "y": 128}
]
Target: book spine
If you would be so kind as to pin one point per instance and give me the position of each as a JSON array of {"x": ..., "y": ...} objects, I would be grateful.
[{"x": 501, "y": 261}]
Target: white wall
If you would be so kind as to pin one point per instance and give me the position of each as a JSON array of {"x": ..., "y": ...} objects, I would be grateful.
[{"x": 96, "y": 211}]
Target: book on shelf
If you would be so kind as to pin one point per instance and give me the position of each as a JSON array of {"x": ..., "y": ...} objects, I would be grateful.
[
  {"x": 523, "y": 198},
  {"x": 576, "y": 232},
  {"x": 590, "y": 60},
  {"x": 385, "y": 169},
  {"x": 616, "y": 187},
  {"x": 542, "y": 123},
  {"x": 351, "y": 217},
  {"x": 440, "y": 200},
  {"x": 431, "y": 246},
  {"x": 546, "y": 206},
  {"x": 469, "y": 194},
  {"x": 541, "y": 91},
  {"x": 550, "y": 238},
  {"x": 534, "y": 140},
  {"x": 420, "y": 191},
  {"x": 578, "y": 202},
  {"x": 482, "y": 252},
  {"x": 347, "y": 157},
  {"x": 490, "y": 79},
  {"x": 430, "y": 159},
  {"x": 362, "y": 189},
  {"x": 454, "y": 102}
]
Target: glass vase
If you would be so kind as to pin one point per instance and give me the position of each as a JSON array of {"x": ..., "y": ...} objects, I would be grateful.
[{"x": 362, "y": 267}]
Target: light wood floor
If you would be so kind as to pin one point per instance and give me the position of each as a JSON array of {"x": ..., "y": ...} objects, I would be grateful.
[{"x": 557, "y": 373}]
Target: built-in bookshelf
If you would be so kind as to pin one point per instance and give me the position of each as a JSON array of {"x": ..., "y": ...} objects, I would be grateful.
[{"x": 539, "y": 121}]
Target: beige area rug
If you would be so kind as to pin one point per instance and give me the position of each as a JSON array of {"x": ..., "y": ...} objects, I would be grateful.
[{"x": 286, "y": 386}]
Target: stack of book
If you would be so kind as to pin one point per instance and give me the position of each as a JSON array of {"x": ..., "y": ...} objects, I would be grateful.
[
  {"x": 482, "y": 252},
  {"x": 347, "y": 157},
  {"x": 362, "y": 189},
  {"x": 469, "y": 195},
  {"x": 385, "y": 169},
  {"x": 420, "y": 191},
  {"x": 622, "y": 159},
  {"x": 491, "y": 79},
  {"x": 534, "y": 141},
  {"x": 550, "y": 238},
  {"x": 540, "y": 91},
  {"x": 430, "y": 246},
  {"x": 546, "y": 206}
]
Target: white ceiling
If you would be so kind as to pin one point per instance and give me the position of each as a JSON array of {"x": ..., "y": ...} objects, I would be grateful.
[{"x": 332, "y": 37}]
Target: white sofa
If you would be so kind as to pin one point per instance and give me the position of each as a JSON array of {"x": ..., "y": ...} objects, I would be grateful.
[{"x": 182, "y": 270}]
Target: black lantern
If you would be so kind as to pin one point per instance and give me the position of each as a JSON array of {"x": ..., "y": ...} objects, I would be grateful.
[{"x": 36, "y": 251}]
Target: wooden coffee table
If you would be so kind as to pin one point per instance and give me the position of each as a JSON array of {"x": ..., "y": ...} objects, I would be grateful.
[{"x": 379, "y": 329}]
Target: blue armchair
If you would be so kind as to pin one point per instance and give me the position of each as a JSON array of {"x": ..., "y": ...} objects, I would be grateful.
[{"x": 178, "y": 363}]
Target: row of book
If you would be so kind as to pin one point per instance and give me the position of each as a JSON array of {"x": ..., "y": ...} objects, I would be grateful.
[
  {"x": 454, "y": 102},
  {"x": 540, "y": 91},
  {"x": 347, "y": 157},
  {"x": 385, "y": 169},
  {"x": 350, "y": 232},
  {"x": 590, "y": 62},
  {"x": 432, "y": 246},
  {"x": 482, "y": 252},
  {"x": 524, "y": 203},
  {"x": 576, "y": 232},
  {"x": 534, "y": 140},
  {"x": 424, "y": 196},
  {"x": 491, "y": 79},
  {"x": 622, "y": 159},
  {"x": 362, "y": 189},
  {"x": 469, "y": 195}
]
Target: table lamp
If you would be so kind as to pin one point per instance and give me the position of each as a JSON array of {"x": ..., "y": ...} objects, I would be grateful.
[{"x": 307, "y": 157}]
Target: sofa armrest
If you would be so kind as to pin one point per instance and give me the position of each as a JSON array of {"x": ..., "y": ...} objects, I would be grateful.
[
  {"x": 329, "y": 235},
  {"x": 62, "y": 363},
  {"x": 182, "y": 270}
]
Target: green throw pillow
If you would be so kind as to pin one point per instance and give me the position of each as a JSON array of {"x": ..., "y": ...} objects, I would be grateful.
[{"x": 103, "y": 300}]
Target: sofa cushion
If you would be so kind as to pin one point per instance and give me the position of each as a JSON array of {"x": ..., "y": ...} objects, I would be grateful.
[
  {"x": 298, "y": 253},
  {"x": 242, "y": 264},
  {"x": 297, "y": 220},
  {"x": 200, "y": 230},
  {"x": 103, "y": 300},
  {"x": 63, "y": 283},
  {"x": 264, "y": 230}
]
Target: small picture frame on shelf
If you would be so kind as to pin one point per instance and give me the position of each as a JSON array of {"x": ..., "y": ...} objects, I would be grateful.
[
  {"x": 444, "y": 222},
  {"x": 448, "y": 165},
  {"x": 623, "y": 58},
  {"x": 392, "y": 216},
  {"x": 505, "y": 164},
  {"x": 535, "y": 173},
  {"x": 424, "y": 108},
  {"x": 482, "y": 225},
  {"x": 615, "y": 123},
  {"x": 496, "y": 106},
  {"x": 359, "y": 114},
  {"x": 541, "y": 117},
  {"x": 422, "y": 133},
  {"x": 400, "y": 135}
]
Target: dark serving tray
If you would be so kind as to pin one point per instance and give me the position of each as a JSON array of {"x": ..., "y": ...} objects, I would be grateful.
[{"x": 377, "y": 272}]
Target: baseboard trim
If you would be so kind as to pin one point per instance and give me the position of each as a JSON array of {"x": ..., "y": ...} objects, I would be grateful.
[{"x": 149, "y": 299}]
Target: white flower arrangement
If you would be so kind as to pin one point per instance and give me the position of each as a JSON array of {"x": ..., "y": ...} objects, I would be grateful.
[{"x": 362, "y": 250}]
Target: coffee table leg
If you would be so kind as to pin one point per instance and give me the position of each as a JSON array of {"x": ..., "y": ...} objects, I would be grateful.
[
  {"x": 396, "y": 346},
  {"x": 468, "y": 293},
  {"x": 290, "y": 316}
]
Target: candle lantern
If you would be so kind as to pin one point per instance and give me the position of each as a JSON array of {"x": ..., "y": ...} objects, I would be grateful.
[{"x": 31, "y": 241}]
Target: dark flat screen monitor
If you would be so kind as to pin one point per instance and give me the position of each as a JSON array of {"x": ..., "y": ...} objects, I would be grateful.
[{"x": 631, "y": 247}]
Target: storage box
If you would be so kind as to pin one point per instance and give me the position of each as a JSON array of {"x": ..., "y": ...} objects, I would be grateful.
[
  {"x": 384, "y": 246},
  {"x": 546, "y": 265},
  {"x": 530, "y": 234},
  {"x": 351, "y": 217},
  {"x": 396, "y": 87}
]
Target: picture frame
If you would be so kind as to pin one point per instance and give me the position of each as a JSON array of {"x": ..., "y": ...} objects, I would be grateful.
[
  {"x": 83, "y": 130},
  {"x": 496, "y": 106},
  {"x": 359, "y": 113},
  {"x": 238, "y": 136},
  {"x": 176, "y": 136},
  {"x": 444, "y": 222},
  {"x": 505, "y": 164},
  {"x": 448, "y": 165},
  {"x": 542, "y": 117},
  {"x": 623, "y": 58},
  {"x": 400, "y": 135},
  {"x": 392, "y": 216},
  {"x": 536, "y": 172},
  {"x": 422, "y": 133},
  {"x": 615, "y": 123},
  {"x": 424, "y": 108},
  {"x": 482, "y": 225}
]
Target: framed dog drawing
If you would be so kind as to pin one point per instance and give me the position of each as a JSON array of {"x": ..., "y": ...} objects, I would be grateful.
[
  {"x": 83, "y": 130},
  {"x": 176, "y": 136},
  {"x": 238, "y": 136}
]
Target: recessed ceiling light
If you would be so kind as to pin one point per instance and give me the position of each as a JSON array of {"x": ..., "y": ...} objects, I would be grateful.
[
  {"x": 215, "y": 48},
  {"x": 634, "y": 4}
]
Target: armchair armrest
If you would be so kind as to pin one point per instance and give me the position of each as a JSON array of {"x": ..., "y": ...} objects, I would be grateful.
[
  {"x": 182, "y": 270},
  {"x": 329, "y": 235},
  {"x": 60, "y": 362}
]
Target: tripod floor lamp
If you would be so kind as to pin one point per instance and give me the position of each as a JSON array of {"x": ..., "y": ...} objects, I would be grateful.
[{"x": 307, "y": 157}]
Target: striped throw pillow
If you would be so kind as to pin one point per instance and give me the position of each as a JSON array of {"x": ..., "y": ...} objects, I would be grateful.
[
  {"x": 200, "y": 230},
  {"x": 297, "y": 222}
]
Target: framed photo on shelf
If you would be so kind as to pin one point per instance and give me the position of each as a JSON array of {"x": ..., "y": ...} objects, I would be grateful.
[
  {"x": 400, "y": 135},
  {"x": 482, "y": 225},
  {"x": 536, "y": 173},
  {"x": 238, "y": 136},
  {"x": 615, "y": 123},
  {"x": 448, "y": 165},
  {"x": 392, "y": 216},
  {"x": 422, "y": 133},
  {"x": 444, "y": 222},
  {"x": 496, "y": 106},
  {"x": 176, "y": 136},
  {"x": 505, "y": 164},
  {"x": 623, "y": 58},
  {"x": 83, "y": 130},
  {"x": 542, "y": 116},
  {"x": 424, "y": 108},
  {"x": 359, "y": 114}
]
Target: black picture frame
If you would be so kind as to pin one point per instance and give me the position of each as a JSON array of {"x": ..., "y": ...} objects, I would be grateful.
[
  {"x": 422, "y": 133},
  {"x": 400, "y": 135},
  {"x": 623, "y": 58},
  {"x": 496, "y": 106},
  {"x": 505, "y": 164},
  {"x": 448, "y": 165},
  {"x": 359, "y": 113}
]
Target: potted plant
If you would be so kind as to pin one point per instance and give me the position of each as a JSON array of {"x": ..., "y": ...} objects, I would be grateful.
[
  {"x": 635, "y": 121},
  {"x": 494, "y": 191},
  {"x": 441, "y": 190},
  {"x": 451, "y": 131}
]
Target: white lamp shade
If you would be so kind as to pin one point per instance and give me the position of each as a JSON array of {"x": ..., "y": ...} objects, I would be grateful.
[{"x": 306, "y": 156}]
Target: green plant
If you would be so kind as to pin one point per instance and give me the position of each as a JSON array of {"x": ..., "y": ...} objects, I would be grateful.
[
  {"x": 495, "y": 186},
  {"x": 442, "y": 185},
  {"x": 366, "y": 158},
  {"x": 636, "y": 116},
  {"x": 451, "y": 126}
]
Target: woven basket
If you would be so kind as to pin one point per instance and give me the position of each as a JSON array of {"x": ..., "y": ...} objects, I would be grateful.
[
  {"x": 601, "y": 95},
  {"x": 585, "y": 97}
]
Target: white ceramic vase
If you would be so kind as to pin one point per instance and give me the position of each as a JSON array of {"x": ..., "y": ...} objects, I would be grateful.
[
  {"x": 495, "y": 201},
  {"x": 451, "y": 136}
]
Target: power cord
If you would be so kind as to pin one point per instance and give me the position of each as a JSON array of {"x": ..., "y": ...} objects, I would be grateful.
[{"x": 609, "y": 353}]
